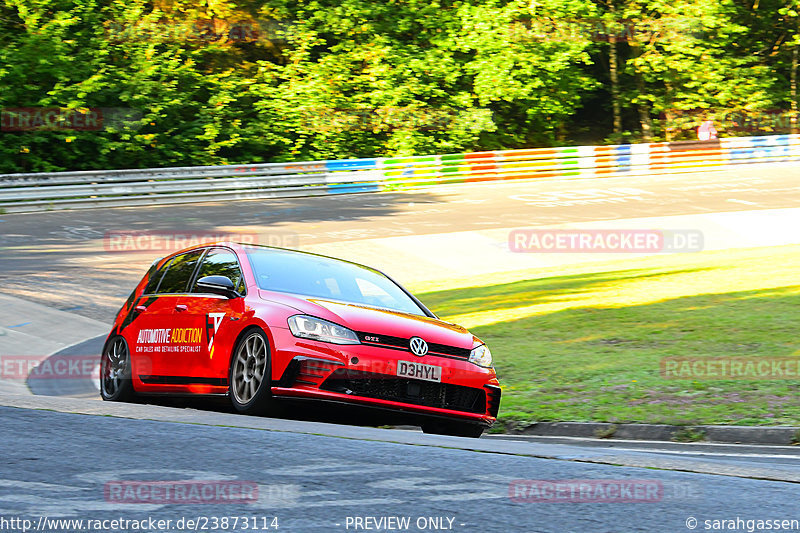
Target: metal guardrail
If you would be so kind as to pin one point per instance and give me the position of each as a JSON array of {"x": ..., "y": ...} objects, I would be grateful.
[{"x": 113, "y": 188}]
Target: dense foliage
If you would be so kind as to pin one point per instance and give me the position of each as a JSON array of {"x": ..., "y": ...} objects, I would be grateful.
[{"x": 180, "y": 83}]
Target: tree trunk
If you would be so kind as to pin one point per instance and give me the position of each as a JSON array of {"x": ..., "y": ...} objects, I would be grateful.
[
  {"x": 613, "y": 70},
  {"x": 793, "y": 90},
  {"x": 645, "y": 121},
  {"x": 668, "y": 113}
]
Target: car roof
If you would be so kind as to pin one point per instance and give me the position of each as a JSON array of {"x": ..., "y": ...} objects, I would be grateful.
[{"x": 243, "y": 246}]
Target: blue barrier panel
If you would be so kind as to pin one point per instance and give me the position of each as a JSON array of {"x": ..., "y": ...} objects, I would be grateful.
[
  {"x": 352, "y": 164},
  {"x": 342, "y": 188},
  {"x": 763, "y": 151},
  {"x": 776, "y": 139},
  {"x": 623, "y": 157}
]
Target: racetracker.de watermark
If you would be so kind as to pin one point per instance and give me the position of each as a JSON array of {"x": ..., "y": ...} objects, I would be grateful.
[
  {"x": 327, "y": 119},
  {"x": 171, "y": 241},
  {"x": 18, "y": 119},
  {"x": 202, "y": 31},
  {"x": 640, "y": 241},
  {"x": 180, "y": 492},
  {"x": 585, "y": 490},
  {"x": 712, "y": 368},
  {"x": 23, "y": 367},
  {"x": 148, "y": 524},
  {"x": 753, "y": 122},
  {"x": 546, "y": 29}
]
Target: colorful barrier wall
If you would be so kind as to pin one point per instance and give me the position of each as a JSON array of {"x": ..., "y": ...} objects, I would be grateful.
[{"x": 62, "y": 190}]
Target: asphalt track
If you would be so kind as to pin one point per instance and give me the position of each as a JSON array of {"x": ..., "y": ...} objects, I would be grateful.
[
  {"x": 315, "y": 482},
  {"x": 313, "y": 475},
  {"x": 60, "y": 259}
]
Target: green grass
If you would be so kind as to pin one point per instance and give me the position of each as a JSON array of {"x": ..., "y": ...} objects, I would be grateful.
[{"x": 585, "y": 343}]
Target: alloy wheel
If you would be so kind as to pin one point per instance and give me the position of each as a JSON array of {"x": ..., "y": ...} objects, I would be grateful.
[{"x": 249, "y": 368}]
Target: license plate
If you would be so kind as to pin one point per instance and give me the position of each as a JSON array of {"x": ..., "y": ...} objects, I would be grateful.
[{"x": 407, "y": 369}]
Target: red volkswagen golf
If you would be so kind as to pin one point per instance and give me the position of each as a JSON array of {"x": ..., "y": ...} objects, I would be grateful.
[{"x": 258, "y": 323}]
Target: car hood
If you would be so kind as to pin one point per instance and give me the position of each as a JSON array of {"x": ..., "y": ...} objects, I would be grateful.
[{"x": 371, "y": 320}]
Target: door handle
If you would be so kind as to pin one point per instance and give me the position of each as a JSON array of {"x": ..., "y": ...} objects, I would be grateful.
[
  {"x": 141, "y": 308},
  {"x": 181, "y": 307}
]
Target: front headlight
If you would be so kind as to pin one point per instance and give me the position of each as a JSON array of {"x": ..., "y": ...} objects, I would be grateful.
[
  {"x": 309, "y": 327},
  {"x": 481, "y": 356}
]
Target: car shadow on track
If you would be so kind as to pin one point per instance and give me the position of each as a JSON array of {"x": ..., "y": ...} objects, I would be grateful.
[{"x": 309, "y": 411}]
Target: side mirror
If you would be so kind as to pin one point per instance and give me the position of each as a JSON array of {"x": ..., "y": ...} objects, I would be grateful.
[{"x": 221, "y": 285}]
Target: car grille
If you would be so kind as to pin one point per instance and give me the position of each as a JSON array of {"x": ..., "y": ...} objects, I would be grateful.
[
  {"x": 400, "y": 342},
  {"x": 429, "y": 394}
]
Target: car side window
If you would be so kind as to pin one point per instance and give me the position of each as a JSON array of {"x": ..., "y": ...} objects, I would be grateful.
[
  {"x": 155, "y": 279},
  {"x": 221, "y": 262},
  {"x": 179, "y": 272}
]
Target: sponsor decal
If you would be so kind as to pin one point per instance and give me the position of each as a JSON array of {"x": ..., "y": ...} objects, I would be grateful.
[
  {"x": 213, "y": 320},
  {"x": 169, "y": 340},
  {"x": 179, "y": 339}
]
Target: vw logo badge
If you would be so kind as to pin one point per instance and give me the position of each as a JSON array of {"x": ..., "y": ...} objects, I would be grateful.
[{"x": 418, "y": 346}]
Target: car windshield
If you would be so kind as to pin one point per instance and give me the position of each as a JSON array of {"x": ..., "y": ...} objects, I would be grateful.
[{"x": 323, "y": 277}]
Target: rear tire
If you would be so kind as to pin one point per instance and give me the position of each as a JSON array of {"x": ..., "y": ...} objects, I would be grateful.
[
  {"x": 456, "y": 429},
  {"x": 249, "y": 374},
  {"x": 115, "y": 371}
]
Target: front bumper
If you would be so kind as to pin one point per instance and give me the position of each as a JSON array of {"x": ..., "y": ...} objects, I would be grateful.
[{"x": 367, "y": 375}]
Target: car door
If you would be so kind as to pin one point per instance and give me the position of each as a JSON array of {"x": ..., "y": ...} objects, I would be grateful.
[
  {"x": 153, "y": 343},
  {"x": 220, "y": 318}
]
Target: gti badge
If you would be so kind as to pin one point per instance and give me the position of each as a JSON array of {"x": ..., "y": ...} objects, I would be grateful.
[{"x": 418, "y": 346}]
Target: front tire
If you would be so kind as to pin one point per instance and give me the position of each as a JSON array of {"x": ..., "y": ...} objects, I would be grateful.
[
  {"x": 456, "y": 429},
  {"x": 115, "y": 371},
  {"x": 250, "y": 374}
]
